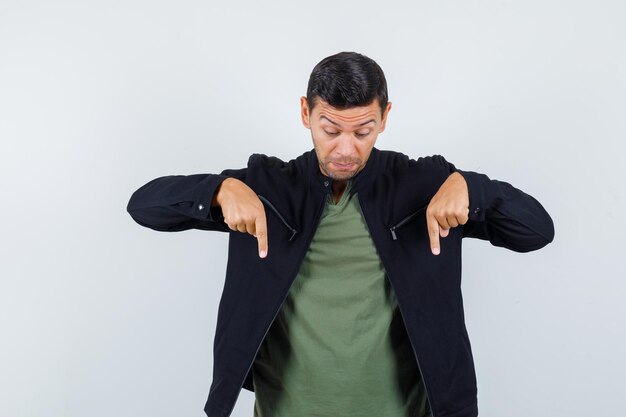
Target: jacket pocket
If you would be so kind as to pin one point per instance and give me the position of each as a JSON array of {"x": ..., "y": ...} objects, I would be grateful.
[
  {"x": 405, "y": 220},
  {"x": 291, "y": 229}
]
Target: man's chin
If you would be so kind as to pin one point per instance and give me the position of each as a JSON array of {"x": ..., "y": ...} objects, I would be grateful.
[
  {"x": 342, "y": 175},
  {"x": 339, "y": 174}
]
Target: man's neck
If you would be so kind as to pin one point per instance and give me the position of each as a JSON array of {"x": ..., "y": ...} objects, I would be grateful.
[{"x": 338, "y": 189}]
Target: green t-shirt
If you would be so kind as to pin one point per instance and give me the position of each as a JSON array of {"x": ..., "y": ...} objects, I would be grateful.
[{"x": 338, "y": 346}]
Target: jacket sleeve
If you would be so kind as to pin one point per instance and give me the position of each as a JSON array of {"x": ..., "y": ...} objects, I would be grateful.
[
  {"x": 505, "y": 215},
  {"x": 180, "y": 202}
]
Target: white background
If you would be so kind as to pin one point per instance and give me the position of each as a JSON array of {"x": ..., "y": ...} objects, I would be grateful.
[{"x": 102, "y": 317}]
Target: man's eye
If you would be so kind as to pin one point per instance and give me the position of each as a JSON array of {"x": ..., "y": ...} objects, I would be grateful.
[
  {"x": 362, "y": 135},
  {"x": 330, "y": 133}
]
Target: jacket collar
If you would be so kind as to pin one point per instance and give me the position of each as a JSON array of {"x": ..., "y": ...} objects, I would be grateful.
[{"x": 358, "y": 182}]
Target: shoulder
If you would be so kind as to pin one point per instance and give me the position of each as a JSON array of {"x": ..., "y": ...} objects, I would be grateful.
[
  {"x": 300, "y": 164},
  {"x": 399, "y": 162}
]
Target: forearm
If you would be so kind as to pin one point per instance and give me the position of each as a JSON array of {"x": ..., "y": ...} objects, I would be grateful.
[
  {"x": 178, "y": 202},
  {"x": 505, "y": 215}
]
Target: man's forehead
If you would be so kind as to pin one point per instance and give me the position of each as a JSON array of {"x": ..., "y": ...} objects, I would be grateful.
[
  {"x": 359, "y": 115},
  {"x": 367, "y": 121}
]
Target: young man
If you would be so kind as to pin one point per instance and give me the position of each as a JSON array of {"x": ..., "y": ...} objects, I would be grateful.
[{"x": 342, "y": 295}]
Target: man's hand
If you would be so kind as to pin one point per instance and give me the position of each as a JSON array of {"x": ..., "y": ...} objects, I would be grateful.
[
  {"x": 243, "y": 211},
  {"x": 448, "y": 208}
]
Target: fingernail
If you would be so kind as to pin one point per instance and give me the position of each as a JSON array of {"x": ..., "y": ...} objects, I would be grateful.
[
  {"x": 435, "y": 251},
  {"x": 262, "y": 254}
]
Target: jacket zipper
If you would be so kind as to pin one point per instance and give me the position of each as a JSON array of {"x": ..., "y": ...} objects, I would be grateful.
[
  {"x": 402, "y": 222},
  {"x": 319, "y": 217},
  {"x": 282, "y": 219}
]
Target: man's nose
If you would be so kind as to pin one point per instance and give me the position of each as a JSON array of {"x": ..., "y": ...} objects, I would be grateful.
[{"x": 346, "y": 145}]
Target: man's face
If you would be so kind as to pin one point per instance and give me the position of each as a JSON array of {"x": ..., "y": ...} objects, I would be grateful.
[{"x": 343, "y": 139}]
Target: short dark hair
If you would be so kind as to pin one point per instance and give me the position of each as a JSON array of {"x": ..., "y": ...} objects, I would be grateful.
[{"x": 347, "y": 79}]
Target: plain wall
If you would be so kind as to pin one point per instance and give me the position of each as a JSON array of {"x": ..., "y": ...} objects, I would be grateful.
[{"x": 102, "y": 317}]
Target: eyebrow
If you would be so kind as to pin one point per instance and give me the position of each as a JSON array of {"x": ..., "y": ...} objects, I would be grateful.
[{"x": 337, "y": 124}]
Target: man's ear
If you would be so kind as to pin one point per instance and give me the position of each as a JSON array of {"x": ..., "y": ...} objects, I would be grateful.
[
  {"x": 304, "y": 112},
  {"x": 383, "y": 123}
]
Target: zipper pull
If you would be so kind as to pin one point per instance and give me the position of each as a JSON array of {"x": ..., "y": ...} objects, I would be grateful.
[{"x": 393, "y": 233}]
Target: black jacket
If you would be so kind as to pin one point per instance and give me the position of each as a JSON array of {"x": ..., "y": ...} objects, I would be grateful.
[{"x": 393, "y": 191}]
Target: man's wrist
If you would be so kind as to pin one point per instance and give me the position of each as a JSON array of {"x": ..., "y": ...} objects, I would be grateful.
[{"x": 219, "y": 192}]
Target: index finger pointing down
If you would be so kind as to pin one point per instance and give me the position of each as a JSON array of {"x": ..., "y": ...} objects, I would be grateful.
[
  {"x": 433, "y": 233},
  {"x": 261, "y": 235}
]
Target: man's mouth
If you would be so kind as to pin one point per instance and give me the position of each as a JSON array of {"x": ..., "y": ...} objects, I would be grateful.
[{"x": 344, "y": 166}]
